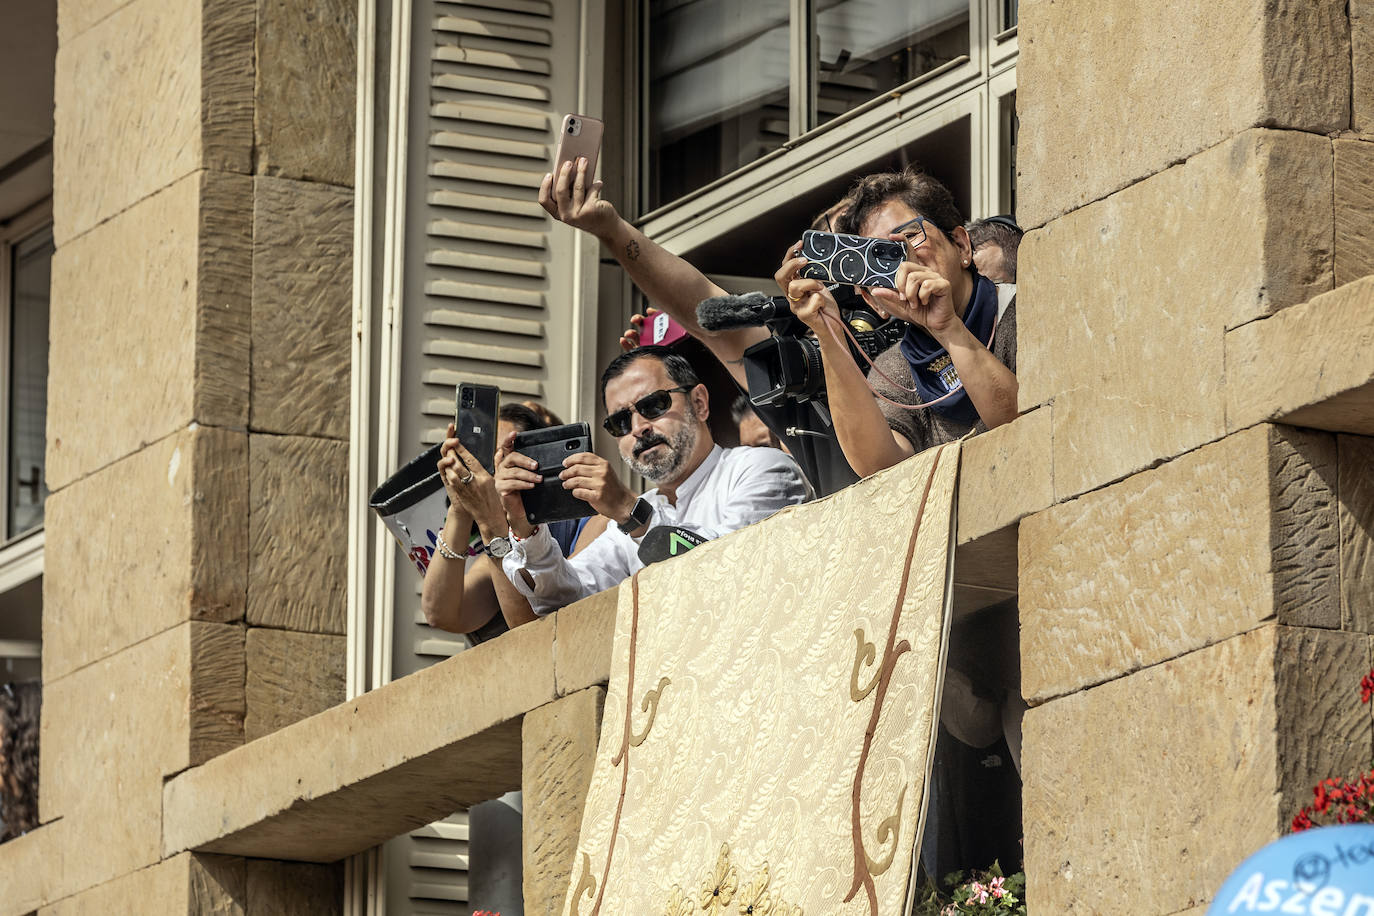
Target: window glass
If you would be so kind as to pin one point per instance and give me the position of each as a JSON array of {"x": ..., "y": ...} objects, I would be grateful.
[
  {"x": 718, "y": 89},
  {"x": 867, "y": 47},
  {"x": 1011, "y": 12},
  {"x": 1006, "y": 108},
  {"x": 31, "y": 271}
]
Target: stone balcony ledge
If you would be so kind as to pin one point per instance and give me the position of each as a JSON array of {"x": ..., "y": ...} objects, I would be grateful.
[
  {"x": 393, "y": 759},
  {"x": 415, "y": 750}
]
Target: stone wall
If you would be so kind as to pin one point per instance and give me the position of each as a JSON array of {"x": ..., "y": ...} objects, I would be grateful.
[
  {"x": 197, "y": 429},
  {"x": 1193, "y": 605},
  {"x": 1195, "y": 579}
]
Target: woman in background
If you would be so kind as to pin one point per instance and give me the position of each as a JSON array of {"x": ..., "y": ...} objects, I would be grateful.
[{"x": 465, "y": 590}]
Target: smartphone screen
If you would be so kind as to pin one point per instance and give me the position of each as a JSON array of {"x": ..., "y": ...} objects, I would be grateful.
[
  {"x": 475, "y": 421},
  {"x": 580, "y": 136}
]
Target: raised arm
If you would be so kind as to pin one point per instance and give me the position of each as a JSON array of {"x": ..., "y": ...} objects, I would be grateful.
[{"x": 670, "y": 283}]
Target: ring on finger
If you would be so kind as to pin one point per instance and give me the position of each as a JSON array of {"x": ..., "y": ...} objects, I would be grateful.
[
  {"x": 798, "y": 299},
  {"x": 467, "y": 479}
]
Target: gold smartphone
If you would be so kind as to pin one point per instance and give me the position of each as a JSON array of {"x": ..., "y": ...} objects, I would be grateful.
[{"x": 579, "y": 137}]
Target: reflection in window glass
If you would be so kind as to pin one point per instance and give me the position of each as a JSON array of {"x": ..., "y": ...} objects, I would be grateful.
[
  {"x": 1011, "y": 12},
  {"x": 1006, "y": 111},
  {"x": 31, "y": 271},
  {"x": 868, "y": 47},
  {"x": 718, "y": 89}
]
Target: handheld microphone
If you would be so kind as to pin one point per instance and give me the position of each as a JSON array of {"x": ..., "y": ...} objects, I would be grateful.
[{"x": 752, "y": 310}]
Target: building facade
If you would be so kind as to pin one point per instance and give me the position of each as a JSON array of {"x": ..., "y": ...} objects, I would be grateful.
[{"x": 266, "y": 238}]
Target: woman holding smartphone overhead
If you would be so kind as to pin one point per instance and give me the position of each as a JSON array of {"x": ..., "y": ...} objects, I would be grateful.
[{"x": 465, "y": 590}]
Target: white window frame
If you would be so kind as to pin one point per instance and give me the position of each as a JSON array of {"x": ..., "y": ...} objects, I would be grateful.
[
  {"x": 823, "y": 140},
  {"x": 972, "y": 90},
  {"x": 21, "y": 557}
]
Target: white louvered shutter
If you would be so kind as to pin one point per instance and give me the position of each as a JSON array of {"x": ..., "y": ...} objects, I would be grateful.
[{"x": 496, "y": 292}]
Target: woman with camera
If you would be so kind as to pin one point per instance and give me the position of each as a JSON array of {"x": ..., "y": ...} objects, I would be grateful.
[{"x": 954, "y": 371}]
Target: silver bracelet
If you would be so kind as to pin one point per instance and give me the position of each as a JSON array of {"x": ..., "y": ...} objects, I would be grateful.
[{"x": 445, "y": 551}]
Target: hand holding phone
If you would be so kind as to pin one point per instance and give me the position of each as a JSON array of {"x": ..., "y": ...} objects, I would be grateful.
[
  {"x": 475, "y": 415},
  {"x": 578, "y": 137},
  {"x": 547, "y": 500},
  {"x": 572, "y": 195}
]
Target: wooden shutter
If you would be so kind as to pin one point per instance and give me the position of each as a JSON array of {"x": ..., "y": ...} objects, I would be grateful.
[{"x": 496, "y": 292}]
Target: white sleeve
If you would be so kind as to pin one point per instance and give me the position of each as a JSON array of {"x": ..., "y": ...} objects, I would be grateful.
[
  {"x": 560, "y": 581},
  {"x": 764, "y": 481}
]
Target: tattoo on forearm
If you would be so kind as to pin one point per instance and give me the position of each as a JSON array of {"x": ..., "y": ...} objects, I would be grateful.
[{"x": 632, "y": 250}]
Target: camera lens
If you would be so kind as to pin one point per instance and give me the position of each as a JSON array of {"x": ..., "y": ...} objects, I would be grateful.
[
  {"x": 570, "y": 446},
  {"x": 571, "y": 128}
]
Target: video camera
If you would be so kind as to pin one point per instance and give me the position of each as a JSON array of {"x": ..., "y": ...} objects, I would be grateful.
[{"x": 788, "y": 364}]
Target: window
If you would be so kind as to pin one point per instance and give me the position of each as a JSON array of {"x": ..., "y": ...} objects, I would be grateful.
[
  {"x": 30, "y": 272},
  {"x": 729, "y": 83},
  {"x": 868, "y": 47}
]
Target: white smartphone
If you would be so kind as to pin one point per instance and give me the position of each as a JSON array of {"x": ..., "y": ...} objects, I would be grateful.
[{"x": 578, "y": 137}]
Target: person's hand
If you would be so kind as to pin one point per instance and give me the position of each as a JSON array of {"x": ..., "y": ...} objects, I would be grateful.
[
  {"x": 590, "y": 478},
  {"x": 470, "y": 488},
  {"x": 809, "y": 299},
  {"x": 635, "y": 332},
  {"x": 572, "y": 197},
  {"x": 515, "y": 473},
  {"x": 923, "y": 297}
]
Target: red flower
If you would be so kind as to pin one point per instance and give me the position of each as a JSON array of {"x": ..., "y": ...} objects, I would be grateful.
[{"x": 1341, "y": 801}]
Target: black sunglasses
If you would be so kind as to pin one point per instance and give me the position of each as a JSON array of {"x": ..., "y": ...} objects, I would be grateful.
[{"x": 650, "y": 407}]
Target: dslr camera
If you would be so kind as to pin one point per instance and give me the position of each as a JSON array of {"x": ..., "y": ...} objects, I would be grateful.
[{"x": 787, "y": 366}]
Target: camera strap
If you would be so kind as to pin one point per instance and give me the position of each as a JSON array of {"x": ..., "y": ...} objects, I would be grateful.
[{"x": 831, "y": 321}]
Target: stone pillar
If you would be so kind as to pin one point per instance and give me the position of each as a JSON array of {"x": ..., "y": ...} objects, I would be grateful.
[
  {"x": 559, "y": 750},
  {"x": 197, "y": 420},
  {"x": 1193, "y": 609},
  {"x": 146, "y": 577},
  {"x": 298, "y": 423}
]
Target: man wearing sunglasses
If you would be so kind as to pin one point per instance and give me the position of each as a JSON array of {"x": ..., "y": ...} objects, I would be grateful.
[{"x": 657, "y": 408}]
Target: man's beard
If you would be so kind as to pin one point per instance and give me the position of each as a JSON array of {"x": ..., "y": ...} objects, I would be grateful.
[{"x": 664, "y": 464}]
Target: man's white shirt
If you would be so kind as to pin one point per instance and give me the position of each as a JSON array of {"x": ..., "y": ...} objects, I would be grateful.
[{"x": 731, "y": 489}]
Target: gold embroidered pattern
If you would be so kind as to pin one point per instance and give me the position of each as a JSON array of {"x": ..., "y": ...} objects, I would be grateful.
[
  {"x": 650, "y": 705},
  {"x": 864, "y": 654},
  {"x": 754, "y": 901},
  {"x": 887, "y": 832},
  {"x": 679, "y": 904},
  {"x": 720, "y": 887},
  {"x": 586, "y": 884}
]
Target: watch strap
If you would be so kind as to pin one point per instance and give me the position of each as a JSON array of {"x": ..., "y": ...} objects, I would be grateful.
[{"x": 642, "y": 511}]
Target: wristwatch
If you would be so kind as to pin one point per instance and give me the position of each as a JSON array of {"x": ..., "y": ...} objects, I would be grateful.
[
  {"x": 639, "y": 516},
  {"x": 498, "y": 547}
]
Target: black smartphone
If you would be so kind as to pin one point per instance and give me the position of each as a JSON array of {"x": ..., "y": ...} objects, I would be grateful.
[
  {"x": 548, "y": 501},
  {"x": 851, "y": 259},
  {"x": 474, "y": 419}
]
